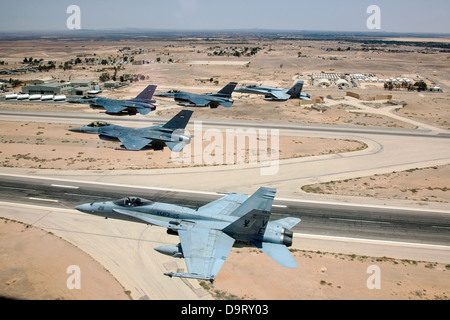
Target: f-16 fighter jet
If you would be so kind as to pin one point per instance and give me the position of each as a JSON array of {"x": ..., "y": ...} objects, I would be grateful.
[
  {"x": 213, "y": 100},
  {"x": 277, "y": 94},
  {"x": 142, "y": 104},
  {"x": 208, "y": 233},
  {"x": 171, "y": 134}
]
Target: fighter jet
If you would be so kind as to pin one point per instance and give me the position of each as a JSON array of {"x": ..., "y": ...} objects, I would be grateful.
[
  {"x": 142, "y": 104},
  {"x": 208, "y": 233},
  {"x": 171, "y": 134},
  {"x": 213, "y": 100},
  {"x": 277, "y": 94}
]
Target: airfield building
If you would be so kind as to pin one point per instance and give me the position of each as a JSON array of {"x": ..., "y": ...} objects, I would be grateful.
[
  {"x": 342, "y": 84},
  {"x": 53, "y": 88},
  {"x": 75, "y": 88}
]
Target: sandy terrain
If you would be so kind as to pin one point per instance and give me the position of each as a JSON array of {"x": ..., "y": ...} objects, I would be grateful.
[
  {"x": 332, "y": 276},
  {"x": 247, "y": 274},
  {"x": 34, "y": 265},
  {"x": 430, "y": 184},
  {"x": 52, "y": 146}
]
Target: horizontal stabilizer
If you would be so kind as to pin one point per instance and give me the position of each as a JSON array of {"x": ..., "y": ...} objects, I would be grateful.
[
  {"x": 144, "y": 111},
  {"x": 278, "y": 252},
  {"x": 287, "y": 223},
  {"x": 189, "y": 275},
  {"x": 176, "y": 146},
  {"x": 227, "y": 104},
  {"x": 304, "y": 97}
]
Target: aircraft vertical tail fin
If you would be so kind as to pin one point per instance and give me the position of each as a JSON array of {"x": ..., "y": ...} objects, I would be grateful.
[
  {"x": 296, "y": 90},
  {"x": 146, "y": 95},
  {"x": 228, "y": 89},
  {"x": 180, "y": 121},
  {"x": 253, "y": 214},
  {"x": 252, "y": 223}
]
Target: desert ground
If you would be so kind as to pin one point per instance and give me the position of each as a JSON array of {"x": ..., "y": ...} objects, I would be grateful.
[
  {"x": 52, "y": 146},
  {"x": 422, "y": 185},
  {"x": 193, "y": 66},
  {"x": 40, "y": 270}
]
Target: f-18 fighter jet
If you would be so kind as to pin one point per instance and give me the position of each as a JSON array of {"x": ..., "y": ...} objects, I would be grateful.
[
  {"x": 277, "y": 94},
  {"x": 208, "y": 233}
]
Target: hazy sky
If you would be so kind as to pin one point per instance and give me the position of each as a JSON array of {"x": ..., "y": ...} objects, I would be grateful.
[{"x": 336, "y": 15}]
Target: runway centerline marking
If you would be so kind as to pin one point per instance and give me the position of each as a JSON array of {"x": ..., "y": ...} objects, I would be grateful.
[
  {"x": 355, "y": 220},
  {"x": 42, "y": 199},
  {"x": 64, "y": 186}
]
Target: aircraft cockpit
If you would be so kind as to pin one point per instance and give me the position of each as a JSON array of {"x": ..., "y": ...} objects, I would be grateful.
[
  {"x": 133, "y": 202},
  {"x": 174, "y": 91},
  {"x": 98, "y": 124}
]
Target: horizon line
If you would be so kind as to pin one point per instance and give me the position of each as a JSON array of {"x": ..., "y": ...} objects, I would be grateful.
[{"x": 257, "y": 30}]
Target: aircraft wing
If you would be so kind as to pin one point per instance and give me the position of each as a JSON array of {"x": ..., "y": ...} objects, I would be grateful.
[
  {"x": 279, "y": 95},
  {"x": 204, "y": 250},
  {"x": 199, "y": 102},
  {"x": 113, "y": 108},
  {"x": 252, "y": 90},
  {"x": 225, "y": 205},
  {"x": 278, "y": 252},
  {"x": 133, "y": 142},
  {"x": 158, "y": 221}
]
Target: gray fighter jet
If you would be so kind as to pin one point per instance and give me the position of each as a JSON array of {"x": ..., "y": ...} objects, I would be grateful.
[
  {"x": 142, "y": 104},
  {"x": 277, "y": 94},
  {"x": 213, "y": 100},
  {"x": 208, "y": 233},
  {"x": 171, "y": 134}
]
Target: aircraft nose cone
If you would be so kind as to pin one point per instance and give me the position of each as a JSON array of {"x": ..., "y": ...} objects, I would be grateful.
[
  {"x": 78, "y": 129},
  {"x": 83, "y": 207}
]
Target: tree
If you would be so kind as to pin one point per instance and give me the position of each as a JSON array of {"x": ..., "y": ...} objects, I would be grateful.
[
  {"x": 104, "y": 77},
  {"x": 114, "y": 77},
  {"x": 421, "y": 86}
]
